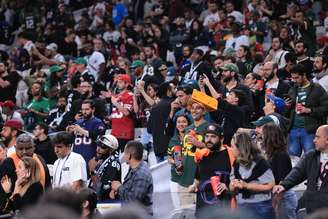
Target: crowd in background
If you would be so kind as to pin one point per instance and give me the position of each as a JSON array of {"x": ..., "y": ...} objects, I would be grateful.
[{"x": 81, "y": 80}]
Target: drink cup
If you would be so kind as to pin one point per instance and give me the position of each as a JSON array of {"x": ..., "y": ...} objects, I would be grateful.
[
  {"x": 215, "y": 181},
  {"x": 298, "y": 108}
]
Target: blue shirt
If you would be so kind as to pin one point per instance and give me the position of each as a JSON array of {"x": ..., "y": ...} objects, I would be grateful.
[{"x": 119, "y": 12}]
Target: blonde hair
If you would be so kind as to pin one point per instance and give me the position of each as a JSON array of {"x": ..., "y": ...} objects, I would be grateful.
[
  {"x": 247, "y": 149},
  {"x": 32, "y": 166}
]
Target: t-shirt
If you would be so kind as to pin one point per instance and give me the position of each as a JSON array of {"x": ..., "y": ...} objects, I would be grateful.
[
  {"x": 40, "y": 105},
  {"x": 301, "y": 98},
  {"x": 123, "y": 126},
  {"x": 189, "y": 165},
  {"x": 119, "y": 12},
  {"x": 68, "y": 170},
  {"x": 86, "y": 146},
  {"x": 94, "y": 62}
]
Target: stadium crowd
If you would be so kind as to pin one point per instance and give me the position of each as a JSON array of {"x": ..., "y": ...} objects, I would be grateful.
[{"x": 87, "y": 86}]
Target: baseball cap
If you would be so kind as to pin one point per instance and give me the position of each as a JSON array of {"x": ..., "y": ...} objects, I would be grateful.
[
  {"x": 137, "y": 64},
  {"x": 55, "y": 68},
  {"x": 8, "y": 103},
  {"x": 266, "y": 119},
  {"x": 278, "y": 102},
  {"x": 214, "y": 128},
  {"x": 80, "y": 61},
  {"x": 52, "y": 47},
  {"x": 123, "y": 77},
  {"x": 109, "y": 141},
  {"x": 230, "y": 67},
  {"x": 14, "y": 123}
]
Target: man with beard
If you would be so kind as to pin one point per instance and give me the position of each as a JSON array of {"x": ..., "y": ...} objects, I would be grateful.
[
  {"x": 8, "y": 83},
  {"x": 10, "y": 130},
  {"x": 152, "y": 61},
  {"x": 274, "y": 85},
  {"x": 96, "y": 60},
  {"x": 301, "y": 50},
  {"x": 86, "y": 91},
  {"x": 24, "y": 148},
  {"x": 86, "y": 130},
  {"x": 56, "y": 115},
  {"x": 213, "y": 160},
  {"x": 121, "y": 116},
  {"x": 105, "y": 167},
  {"x": 229, "y": 79},
  {"x": 321, "y": 71},
  {"x": 277, "y": 54}
]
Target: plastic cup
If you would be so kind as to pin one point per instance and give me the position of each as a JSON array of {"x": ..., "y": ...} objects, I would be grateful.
[{"x": 215, "y": 181}]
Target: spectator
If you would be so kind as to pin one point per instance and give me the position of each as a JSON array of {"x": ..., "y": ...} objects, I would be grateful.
[
  {"x": 308, "y": 111},
  {"x": 121, "y": 116},
  {"x": 10, "y": 131},
  {"x": 273, "y": 85},
  {"x": 37, "y": 108},
  {"x": 96, "y": 60},
  {"x": 277, "y": 54},
  {"x": 251, "y": 173},
  {"x": 56, "y": 114},
  {"x": 24, "y": 148},
  {"x": 8, "y": 82},
  {"x": 230, "y": 8},
  {"x": 68, "y": 46},
  {"x": 138, "y": 184},
  {"x": 9, "y": 112},
  {"x": 214, "y": 160},
  {"x": 301, "y": 51},
  {"x": 86, "y": 130},
  {"x": 275, "y": 146},
  {"x": 158, "y": 118},
  {"x": 237, "y": 38},
  {"x": 82, "y": 73},
  {"x": 43, "y": 146},
  {"x": 70, "y": 168},
  {"x": 308, "y": 168},
  {"x": 321, "y": 71},
  {"x": 27, "y": 189},
  {"x": 105, "y": 167},
  {"x": 175, "y": 150}
]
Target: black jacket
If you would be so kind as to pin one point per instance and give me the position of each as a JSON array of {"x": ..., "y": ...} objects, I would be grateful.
[
  {"x": 308, "y": 168},
  {"x": 317, "y": 101},
  {"x": 159, "y": 115}
]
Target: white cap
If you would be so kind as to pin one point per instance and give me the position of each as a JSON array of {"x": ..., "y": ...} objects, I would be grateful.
[
  {"x": 52, "y": 47},
  {"x": 108, "y": 140}
]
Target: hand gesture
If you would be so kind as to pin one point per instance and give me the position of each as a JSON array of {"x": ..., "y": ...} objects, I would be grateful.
[
  {"x": 206, "y": 80},
  {"x": 114, "y": 100},
  {"x": 106, "y": 94},
  {"x": 278, "y": 189},
  {"x": 6, "y": 184},
  {"x": 112, "y": 194},
  {"x": 221, "y": 188}
]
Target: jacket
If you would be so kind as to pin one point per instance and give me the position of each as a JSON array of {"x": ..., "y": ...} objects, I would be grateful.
[
  {"x": 308, "y": 168},
  {"x": 317, "y": 101}
]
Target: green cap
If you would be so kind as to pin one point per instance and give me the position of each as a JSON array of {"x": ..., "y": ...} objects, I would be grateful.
[
  {"x": 262, "y": 121},
  {"x": 137, "y": 64},
  {"x": 80, "y": 61},
  {"x": 230, "y": 67},
  {"x": 55, "y": 68}
]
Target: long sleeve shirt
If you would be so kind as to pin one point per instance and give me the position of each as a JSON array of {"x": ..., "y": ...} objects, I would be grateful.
[{"x": 138, "y": 187}]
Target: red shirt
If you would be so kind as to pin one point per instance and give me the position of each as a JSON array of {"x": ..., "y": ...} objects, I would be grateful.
[{"x": 123, "y": 126}]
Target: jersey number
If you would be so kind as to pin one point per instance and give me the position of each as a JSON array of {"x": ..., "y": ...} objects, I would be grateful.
[{"x": 82, "y": 140}]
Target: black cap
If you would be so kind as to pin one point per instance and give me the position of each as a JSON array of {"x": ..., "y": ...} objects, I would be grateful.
[{"x": 214, "y": 128}]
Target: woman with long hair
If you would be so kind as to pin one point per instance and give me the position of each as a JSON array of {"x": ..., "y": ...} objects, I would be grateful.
[
  {"x": 251, "y": 178},
  {"x": 27, "y": 188},
  {"x": 175, "y": 158},
  {"x": 275, "y": 146}
]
